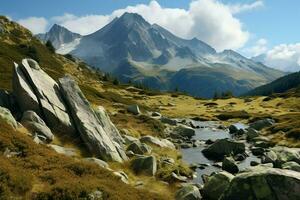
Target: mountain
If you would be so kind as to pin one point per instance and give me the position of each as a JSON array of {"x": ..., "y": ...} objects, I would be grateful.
[
  {"x": 132, "y": 49},
  {"x": 281, "y": 85},
  {"x": 58, "y": 35}
]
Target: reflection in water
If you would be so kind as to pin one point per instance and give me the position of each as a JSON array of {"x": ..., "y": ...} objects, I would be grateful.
[{"x": 209, "y": 130}]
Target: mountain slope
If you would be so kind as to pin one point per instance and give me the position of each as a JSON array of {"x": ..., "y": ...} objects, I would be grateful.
[
  {"x": 58, "y": 35},
  {"x": 133, "y": 50},
  {"x": 281, "y": 85}
]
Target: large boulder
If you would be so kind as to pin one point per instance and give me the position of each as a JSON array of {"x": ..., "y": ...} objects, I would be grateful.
[
  {"x": 252, "y": 133},
  {"x": 291, "y": 165},
  {"x": 88, "y": 124},
  {"x": 263, "y": 123},
  {"x": 6, "y": 116},
  {"x": 157, "y": 142},
  {"x": 144, "y": 164},
  {"x": 264, "y": 183},
  {"x": 36, "y": 126},
  {"x": 216, "y": 184},
  {"x": 188, "y": 192},
  {"x": 107, "y": 125},
  {"x": 36, "y": 91},
  {"x": 224, "y": 147},
  {"x": 169, "y": 121},
  {"x": 139, "y": 148},
  {"x": 184, "y": 131},
  {"x": 279, "y": 155}
]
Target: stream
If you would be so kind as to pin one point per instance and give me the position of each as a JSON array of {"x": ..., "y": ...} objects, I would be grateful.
[{"x": 210, "y": 130}]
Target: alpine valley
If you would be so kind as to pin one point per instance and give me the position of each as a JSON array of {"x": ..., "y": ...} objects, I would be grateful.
[{"x": 132, "y": 49}]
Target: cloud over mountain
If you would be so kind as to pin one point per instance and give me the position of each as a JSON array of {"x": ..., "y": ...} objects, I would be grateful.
[{"x": 209, "y": 20}]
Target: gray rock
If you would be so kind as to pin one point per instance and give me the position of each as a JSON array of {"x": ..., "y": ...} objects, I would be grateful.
[
  {"x": 252, "y": 133},
  {"x": 169, "y": 121},
  {"x": 107, "y": 125},
  {"x": 264, "y": 183},
  {"x": 260, "y": 124},
  {"x": 188, "y": 192},
  {"x": 156, "y": 114},
  {"x": 63, "y": 150},
  {"x": 144, "y": 164},
  {"x": 88, "y": 123},
  {"x": 157, "y": 142},
  {"x": 122, "y": 175},
  {"x": 139, "y": 148},
  {"x": 129, "y": 139},
  {"x": 216, "y": 184},
  {"x": 229, "y": 165},
  {"x": 291, "y": 165},
  {"x": 134, "y": 109},
  {"x": 97, "y": 161},
  {"x": 257, "y": 151},
  {"x": 37, "y": 91},
  {"x": 96, "y": 195},
  {"x": 36, "y": 125},
  {"x": 224, "y": 147},
  {"x": 184, "y": 131},
  {"x": 279, "y": 155},
  {"x": 6, "y": 115}
]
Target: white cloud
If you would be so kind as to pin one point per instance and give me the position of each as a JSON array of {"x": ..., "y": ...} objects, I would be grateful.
[
  {"x": 285, "y": 57},
  {"x": 34, "y": 24},
  {"x": 238, "y": 8},
  {"x": 260, "y": 47},
  {"x": 208, "y": 20}
]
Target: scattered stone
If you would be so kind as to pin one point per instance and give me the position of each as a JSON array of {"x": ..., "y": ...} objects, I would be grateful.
[
  {"x": 139, "y": 148},
  {"x": 8, "y": 153},
  {"x": 224, "y": 147},
  {"x": 169, "y": 121},
  {"x": 188, "y": 192},
  {"x": 96, "y": 195},
  {"x": 240, "y": 157},
  {"x": 144, "y": 164},
  {"x": 254, "y": 163},
  {"x": 229, "y": 165},
  {"x": 97, "y": 161},
  {"x": 184, "y": 131},
  {"x": 134, "y": 109},
  {"x": 186, "y": 145},
  {"x": 178, "y": 178},
  {"x": 122, "y": 175},
  {"x": 36, "y": 126},
  {"x": 252, "y": 133},
  {"x": 264, "y": 183},
  {"x": 209, "y": 141},
  {"x": 156, "y": 114},
  {"x": 216, "y": 184},
  {"x": 88, "y": 124},
  {"x": 279, "y": 155},
  {"x": 157, "y": 142},
  {"x": 257, "y": 151},
  {"x": 260, "y": 124},
  {"x": 291, "y": 165},
  {"x": 6, "y": 115},
  {"x": 63, "y": 150},
  {"x": 129, "y": 139}
]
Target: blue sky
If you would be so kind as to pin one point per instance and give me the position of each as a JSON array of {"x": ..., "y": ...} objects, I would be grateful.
[{"x": 251, "y": 27}]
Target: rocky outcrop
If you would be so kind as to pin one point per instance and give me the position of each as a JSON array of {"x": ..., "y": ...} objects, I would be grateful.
[
  {"x": 264, "y": 183},
  {"x": 260, "y": 124},
  {"x": 36, "y": 126},
  {"x": 224, "y": 147},
  {"x": 37, "y": 91},
  {"x": 88, "y": 124},
  {"x": 188, "y": 192},
  {"x": 6, "y": 115},
  {"x": 144, "y": 164},
  {"x": 216, "y": 184}
]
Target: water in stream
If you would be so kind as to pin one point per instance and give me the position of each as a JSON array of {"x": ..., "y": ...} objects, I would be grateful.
[{"x": 209, "y": 130}]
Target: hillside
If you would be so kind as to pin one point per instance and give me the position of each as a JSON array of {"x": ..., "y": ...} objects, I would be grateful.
[
  {"x": 281, "y": 85},
  {"x": 152, "y": 56}
]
